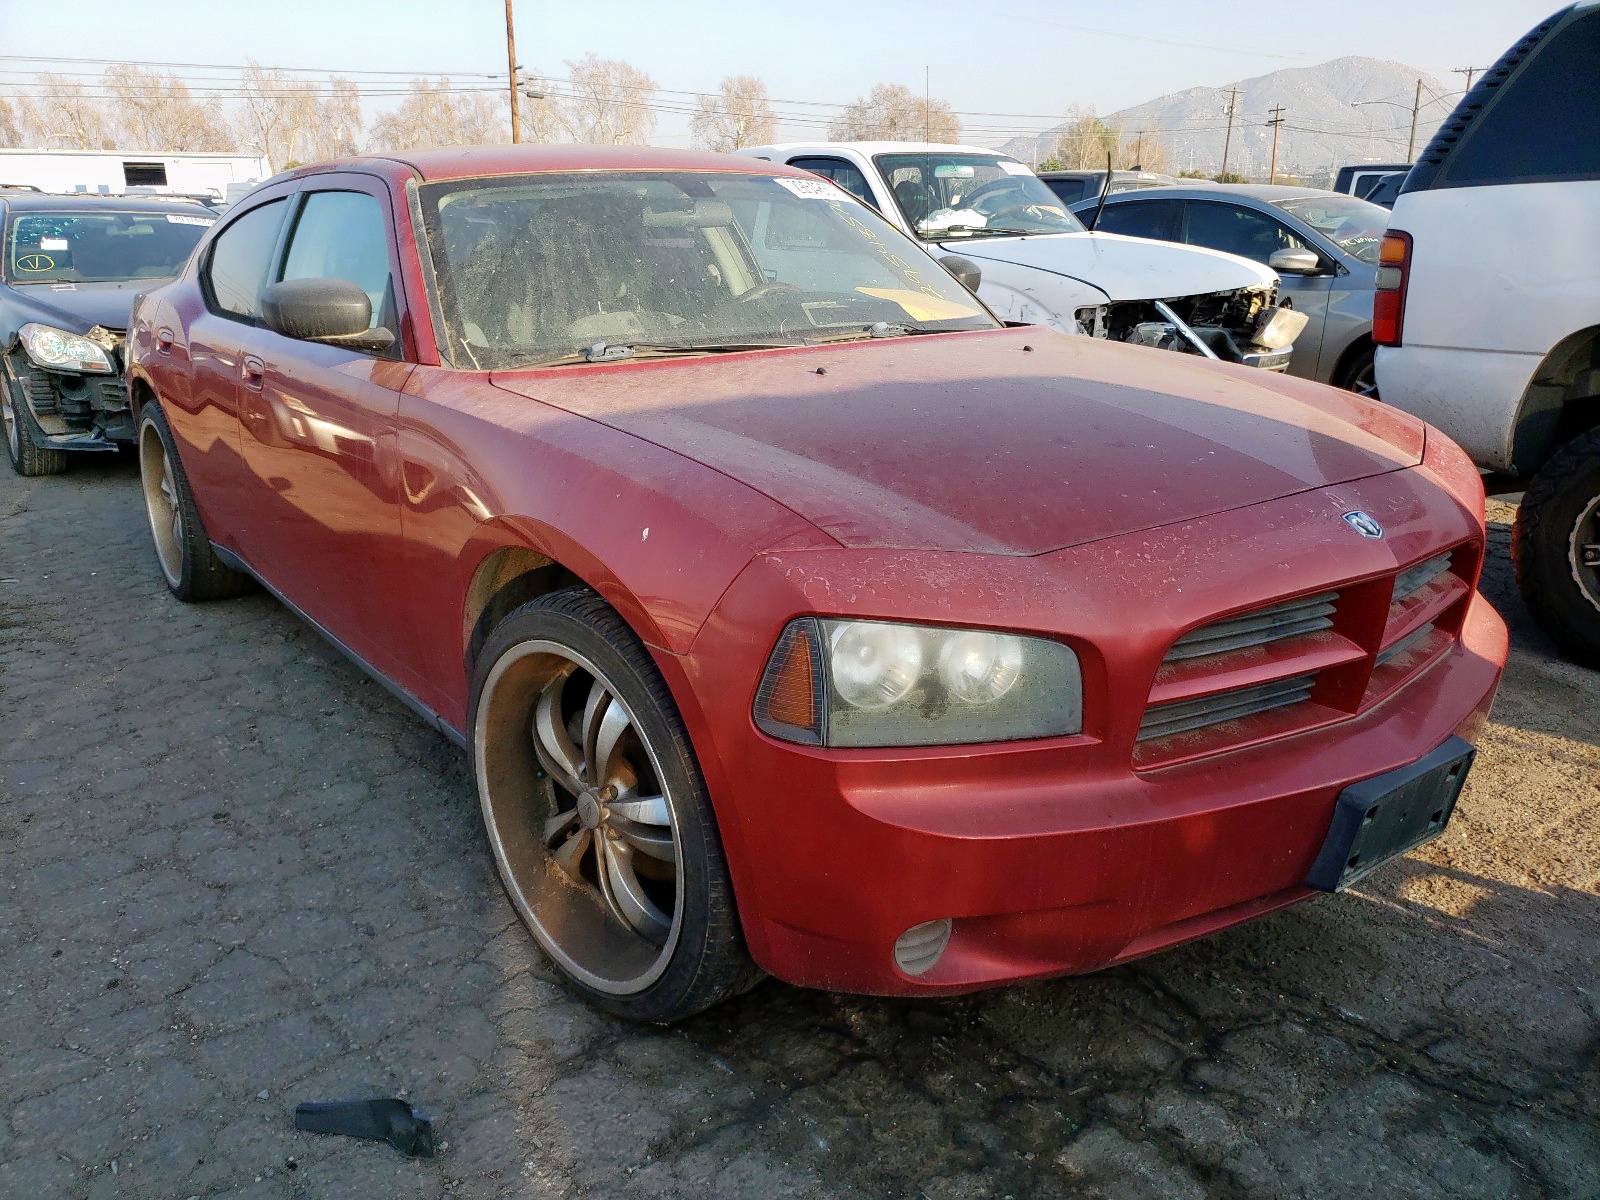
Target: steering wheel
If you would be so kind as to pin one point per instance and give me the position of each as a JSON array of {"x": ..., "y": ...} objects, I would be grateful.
[
  {"x": 996, "y": 188},
  {"x": 772, "y": 287}
]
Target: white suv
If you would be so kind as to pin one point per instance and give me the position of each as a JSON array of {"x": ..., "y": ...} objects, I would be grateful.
[{"x": 1487, "y": 313}]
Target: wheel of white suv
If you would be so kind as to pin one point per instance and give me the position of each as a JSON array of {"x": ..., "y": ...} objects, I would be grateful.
[
  {"x": 597, "y": 815},
  {"x": 1555, "y": 547}
]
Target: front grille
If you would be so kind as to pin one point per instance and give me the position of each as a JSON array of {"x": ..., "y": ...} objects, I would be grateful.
[
  {"x": 1258, "y": 628},
  {"x": 1299, "y": 664},
  {"x": 1185, "y": 716}
]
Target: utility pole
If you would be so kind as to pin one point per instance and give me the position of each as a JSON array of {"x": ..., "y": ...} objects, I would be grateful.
[
  {"x": 1469, "y": 72},
  {"x": 1277, "y": 120},
  {"x": 1138, "y": 152},
  {"x": 1227, "y": 141},
  {"x": 511, "y": 64},
  {"x": 1416, "y": 105}
]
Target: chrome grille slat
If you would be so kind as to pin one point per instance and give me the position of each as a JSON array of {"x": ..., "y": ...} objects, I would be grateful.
[
  {"x": 1413, "y": 579},
  {"x": 1165, "y": 720},
  {"x": 1260, "y": 627}
]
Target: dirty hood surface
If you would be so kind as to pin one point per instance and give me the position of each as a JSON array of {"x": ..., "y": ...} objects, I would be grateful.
[
  {"x": 79, "y": 307},
  {"x": 973, "y": 442},
  {"x": 1125, "y": 268}
]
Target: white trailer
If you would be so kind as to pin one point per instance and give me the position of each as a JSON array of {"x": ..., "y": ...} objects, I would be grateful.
[{"x": 119, "y": 172}]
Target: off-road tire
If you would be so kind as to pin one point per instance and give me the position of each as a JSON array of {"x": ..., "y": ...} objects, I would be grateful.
[
  {"x": 1542, "y": 547},
  {"x": 708, "y": 962},
  {"x": 28, "y": 455},
  {"x": 194, "y": 571}
]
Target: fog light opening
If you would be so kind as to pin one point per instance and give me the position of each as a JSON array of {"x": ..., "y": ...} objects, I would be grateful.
[{"x": 920, "y": 947}]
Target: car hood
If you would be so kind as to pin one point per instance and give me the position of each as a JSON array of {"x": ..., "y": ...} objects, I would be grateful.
[
  {"x": 79, "y": 307},
  {"x": 1010, "y": 442},
  {"x": 1125, "y": 268}
]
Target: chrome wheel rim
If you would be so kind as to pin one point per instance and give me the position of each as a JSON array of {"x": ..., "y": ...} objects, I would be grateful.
[
  {"x": 1365, "y": 381},
  {"x": 1583, "y": 552},
  {"x": 161, "y": 502},
  {"x": 579, "y": 817}
]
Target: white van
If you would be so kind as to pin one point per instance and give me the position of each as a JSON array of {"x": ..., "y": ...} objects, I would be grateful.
[{"x": 1487, "y": 312}]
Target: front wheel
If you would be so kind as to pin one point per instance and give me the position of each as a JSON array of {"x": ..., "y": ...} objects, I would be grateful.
[
  {"x": 1555, "y": 547},
  {"x": 597, "y": 815},
  {"x": 1360, "y": 375},
  {"x": 28, "y": 454}
]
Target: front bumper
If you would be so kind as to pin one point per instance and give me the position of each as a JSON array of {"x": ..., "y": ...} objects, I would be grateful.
[
  {"x": 72, "y": 411},
  {"x": 1058, "y": 856}
]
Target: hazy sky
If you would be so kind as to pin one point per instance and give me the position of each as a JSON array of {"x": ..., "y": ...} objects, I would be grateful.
[{"x": 1006, "y": 65}]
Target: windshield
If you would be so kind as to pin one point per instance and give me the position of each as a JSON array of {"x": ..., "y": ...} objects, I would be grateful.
[
  {"x": 540, "y": 268},
  {"x": 100, "y": 247},
  {"x": 968, "y": 195},
  {"x": 1355, "y": 226}
]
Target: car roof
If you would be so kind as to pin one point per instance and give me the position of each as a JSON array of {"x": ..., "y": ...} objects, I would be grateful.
[
  {"x": 1267, "y": 193},
  {"x": 470, "y": 162},
  {"x": 78, "y": 201},
  {"x": 870, "y": 148}
]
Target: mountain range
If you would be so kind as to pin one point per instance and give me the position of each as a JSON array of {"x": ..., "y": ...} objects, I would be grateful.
[{"x": 1347, "y": 110}]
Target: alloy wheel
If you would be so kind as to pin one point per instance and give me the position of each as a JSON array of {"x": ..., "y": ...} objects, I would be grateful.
[
  {"x": 161, "y": 502},
  {"x": 579, "y": 815},
  {"x": 8, "y": 418}
]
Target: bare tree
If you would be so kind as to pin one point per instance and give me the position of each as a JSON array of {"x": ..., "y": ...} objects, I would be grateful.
[
  {"x": 892, "y": 111},
  {"x": 437, "y": 114},
  {"x": 64, "y": 110},
  {"x": 274, "y": 113},
  {"x": 156, "y": 112},
  {"x": 10, "y": 125},
  {"x": 1085, "y": 141},
  {"x": 606, "y": 103},
  {"x": 1146, "y": 150},
  {"x": 738, "y": 115},
  {"x": 335, "y": 128}
]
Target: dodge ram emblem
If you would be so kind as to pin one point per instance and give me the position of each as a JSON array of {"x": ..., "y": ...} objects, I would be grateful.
[{"x": 1363, "y": 524}]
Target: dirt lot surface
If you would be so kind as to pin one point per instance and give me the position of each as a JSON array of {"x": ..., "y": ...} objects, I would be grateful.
[{"x": 236, "y": 875}]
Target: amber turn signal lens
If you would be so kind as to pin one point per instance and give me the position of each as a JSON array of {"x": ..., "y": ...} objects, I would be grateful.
[
  {"x": 1389, "y": 288},
  {"x": 789, "y": 702}
]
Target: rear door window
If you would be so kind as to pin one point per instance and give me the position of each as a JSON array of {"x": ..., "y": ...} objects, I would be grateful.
[
  {"x": 240, "y": 258},
  {"x": 1238, "y": 230},
  {"x": 1158, "y": 219}
]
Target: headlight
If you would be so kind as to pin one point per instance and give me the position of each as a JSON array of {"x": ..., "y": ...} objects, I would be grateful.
[
  {"x": 876, "y": 683},
  {"x": 63, "y": 351}
]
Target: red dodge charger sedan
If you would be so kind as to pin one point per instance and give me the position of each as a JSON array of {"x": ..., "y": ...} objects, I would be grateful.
[{"x": 797, "y": 615}]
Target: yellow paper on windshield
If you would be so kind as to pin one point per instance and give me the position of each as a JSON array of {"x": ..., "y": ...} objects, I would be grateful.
[{"x": 920, "y": 306}]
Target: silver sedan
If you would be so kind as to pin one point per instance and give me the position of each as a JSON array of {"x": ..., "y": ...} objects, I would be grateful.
[{"x": 1323, "y": 245}]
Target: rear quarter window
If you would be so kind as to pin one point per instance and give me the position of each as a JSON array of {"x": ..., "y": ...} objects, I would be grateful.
[{"x": 1542, "y": 124}]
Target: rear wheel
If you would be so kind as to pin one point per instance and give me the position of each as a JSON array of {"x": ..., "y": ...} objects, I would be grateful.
[
  {"x": 597, "y": 815},
  {"x": 1555, "y": 547},
  {"x": 1360, "y": 374},
  {"x": 188, "y": 563},
  {"x": 24, "y": 440}
]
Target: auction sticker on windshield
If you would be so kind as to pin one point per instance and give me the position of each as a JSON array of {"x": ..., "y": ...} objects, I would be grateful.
[
  {"x": 810, "y": 189},
  {"x": 177, "y": 219}
]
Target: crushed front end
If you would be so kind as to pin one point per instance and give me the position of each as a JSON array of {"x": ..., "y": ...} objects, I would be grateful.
[
  {"x": 1243, "y": 325},
  {"x": 75, "y": 393}
]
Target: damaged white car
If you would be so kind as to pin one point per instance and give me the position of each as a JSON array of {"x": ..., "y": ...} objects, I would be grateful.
[{"x": 1039, "y": 265}]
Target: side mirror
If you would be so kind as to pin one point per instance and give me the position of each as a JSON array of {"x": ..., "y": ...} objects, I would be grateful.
[
  {"x": 967, "y": 273},
  {"x": 334, "y": 311},
  {"x": 1295, "y": 262}
]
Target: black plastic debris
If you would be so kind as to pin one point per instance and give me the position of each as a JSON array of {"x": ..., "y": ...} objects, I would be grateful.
[{"x": 381, "y": 1120}]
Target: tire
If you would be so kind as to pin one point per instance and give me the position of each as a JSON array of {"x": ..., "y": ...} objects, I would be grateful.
[
  {"x": 635, "y": 907},
  {"x": 183, "y": 550},
  {"x": 24, "y": 440},
  {"x": 1359, "y": 375},
  {"x": 1555, "y": 547}
]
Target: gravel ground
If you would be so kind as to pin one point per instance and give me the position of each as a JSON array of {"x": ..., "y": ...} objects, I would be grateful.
[{"x": 237, "y": 875}]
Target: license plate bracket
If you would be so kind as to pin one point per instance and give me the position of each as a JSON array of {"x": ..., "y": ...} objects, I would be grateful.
[{"x": 1383, "y": 817}]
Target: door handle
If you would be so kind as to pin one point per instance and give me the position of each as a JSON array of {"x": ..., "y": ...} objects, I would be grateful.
[
  {"x": 163, "y": 341},
  {"x": 254, "y": 371}
]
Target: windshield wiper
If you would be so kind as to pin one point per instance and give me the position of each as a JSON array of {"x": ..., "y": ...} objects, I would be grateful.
[
  {"x": 996, "y": 230},
  {"x": 602, "y": 352}
]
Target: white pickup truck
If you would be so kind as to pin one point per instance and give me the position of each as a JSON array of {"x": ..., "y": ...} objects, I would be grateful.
[
  {"x": 1040, "y": 266},
  {"x": 1487, "y": 309}
]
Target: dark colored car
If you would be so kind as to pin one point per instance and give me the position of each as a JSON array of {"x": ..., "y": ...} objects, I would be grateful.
[
  {"x": 1387, "y": 190},
  {"x": 794, "y": 612},
  {"x": 1323, "y": 245},
  {"x": 1072, "y": 186},
  {"x": 72, "y": 266}
]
